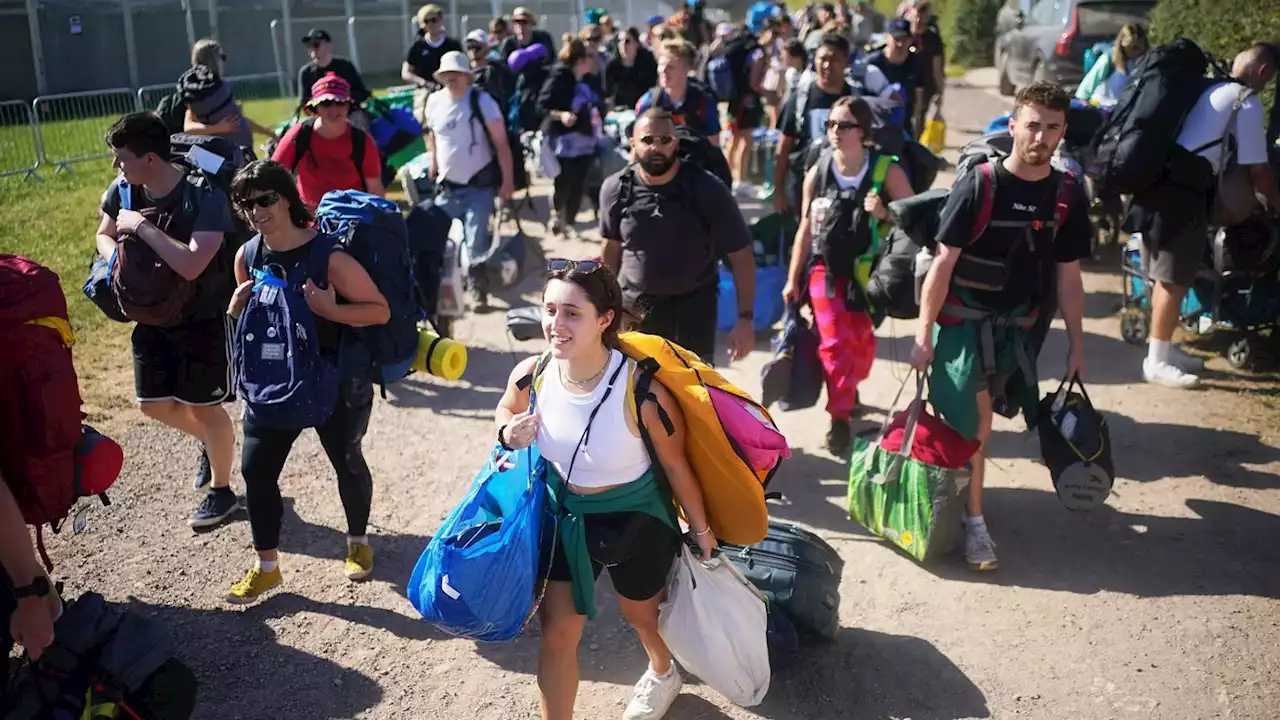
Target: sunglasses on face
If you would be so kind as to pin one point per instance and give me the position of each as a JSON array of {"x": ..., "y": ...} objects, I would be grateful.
[
  {"x": 555, "y": 265},
  {"x": 522, "y": 21},
  {"x": 265, "y": 200},
  {"x": 658, "y": 140},
  {"x": 841, "y": 125},
  {"x": 313, "y": 45},
  {"x": 330, "y": 103}
]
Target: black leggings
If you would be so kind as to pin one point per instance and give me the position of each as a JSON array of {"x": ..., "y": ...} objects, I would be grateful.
[
  {"x": 569, "y": 187},
  {"x": 266, "y": 449}
]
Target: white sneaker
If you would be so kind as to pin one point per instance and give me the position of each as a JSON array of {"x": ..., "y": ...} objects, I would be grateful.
[
  {"x": 979, "y": 548},
  {"x": 1167, "y": 374},
  {"x": 654, "y": 694},
  {"x": 1184, "y": 361}
]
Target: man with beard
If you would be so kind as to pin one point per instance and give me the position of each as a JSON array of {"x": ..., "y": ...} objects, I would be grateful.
[
  {"x": 991, "y": 288},
  {"x": 666, "y": 224}
]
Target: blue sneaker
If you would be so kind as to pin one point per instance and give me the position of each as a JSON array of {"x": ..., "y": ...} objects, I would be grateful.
[
  {"x": 204, "y": 475},
  {"x": 218, "y": 505}
]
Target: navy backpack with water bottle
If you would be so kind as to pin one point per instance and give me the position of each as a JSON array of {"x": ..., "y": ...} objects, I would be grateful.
[{"x": 280, "y": 374}]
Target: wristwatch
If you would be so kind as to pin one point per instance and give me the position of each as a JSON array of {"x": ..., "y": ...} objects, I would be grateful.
[
  {"x": 747, "y": 315},
  {"x": 39, "y": 587}
]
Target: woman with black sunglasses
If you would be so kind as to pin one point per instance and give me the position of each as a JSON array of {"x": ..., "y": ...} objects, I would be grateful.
[
  {"x": 842, "y": 215},
  {"x": 613, "y": 502},
  {"x": 286, "y": 247}
]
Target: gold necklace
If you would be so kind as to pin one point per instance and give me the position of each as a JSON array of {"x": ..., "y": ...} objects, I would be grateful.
[{"x": 582, "y": 384}]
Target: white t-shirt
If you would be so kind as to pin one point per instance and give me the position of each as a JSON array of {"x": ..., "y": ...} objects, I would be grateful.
[
  {"x": 1208, "y": 121},
  {"x": 462, "y": 148}
]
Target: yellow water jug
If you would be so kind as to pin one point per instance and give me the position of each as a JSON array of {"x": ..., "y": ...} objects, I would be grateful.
[
  {"x": 934, "y": 136},
  {"x": 439, "y": 356}
]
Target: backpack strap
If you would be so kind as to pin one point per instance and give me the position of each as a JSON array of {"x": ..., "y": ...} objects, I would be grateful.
[
  {"x": 647, "y": 369},
  {"x": 322, "y": 246},
  {"x": 533, "y": 380},
  {"x": 986, "y": 198},
  {"x": 302, "y": 142},
  {"x": 252, "y": 248},
  {"x": 879, "y": 173},
  {"x": 357, "y": 154},
  {"x": 1066, "y": 190}
]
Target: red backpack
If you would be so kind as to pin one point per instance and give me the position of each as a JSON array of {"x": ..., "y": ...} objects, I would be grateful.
[{"x": 47, "y": 457}]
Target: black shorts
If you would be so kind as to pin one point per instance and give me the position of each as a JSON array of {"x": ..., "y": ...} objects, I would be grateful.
[
  {"x": 686, "y": 320},
  {"x": 637, "y": 548},
  {"x": 189, "y": 363},
  {"x": 746, "y": 113}
]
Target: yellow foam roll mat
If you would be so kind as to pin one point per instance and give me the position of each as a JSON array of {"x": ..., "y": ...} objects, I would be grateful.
[{"x": 439, "y": 356}]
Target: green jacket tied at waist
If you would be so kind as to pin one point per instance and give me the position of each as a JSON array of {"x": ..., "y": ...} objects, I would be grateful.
[{"x": 645, "y": 494}]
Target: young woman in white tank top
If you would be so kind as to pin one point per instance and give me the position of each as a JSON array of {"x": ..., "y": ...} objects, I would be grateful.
[{"x": 613, "y": 506}]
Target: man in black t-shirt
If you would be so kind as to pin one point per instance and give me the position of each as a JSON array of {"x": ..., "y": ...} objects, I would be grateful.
[
  {"x": 902, "y": 66},
  {"x": 423, "y": 59},
  {"x": 830, "y": 62},
  {"x": 182, "y": 372},
  {"x": 665, "y": 225},
  {"x": 994, "y": 285},
  {"x": 927, "y": 44},
  {"x": 320, "y": 48}
]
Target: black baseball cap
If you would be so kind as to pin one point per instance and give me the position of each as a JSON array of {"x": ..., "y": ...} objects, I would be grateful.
[
  {"x": 899, "y": 27},
  {"x": 316, "y": 35}
]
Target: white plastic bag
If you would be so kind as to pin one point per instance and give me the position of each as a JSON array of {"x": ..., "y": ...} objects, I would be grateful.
[
  {"x": 714, "y": 622},
  {"x": 548, "y": 163}
]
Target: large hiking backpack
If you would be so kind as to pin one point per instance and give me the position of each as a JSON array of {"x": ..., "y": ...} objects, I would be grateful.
[
  {"x": 47, "y": 457},
  {"x": 280, "y": 374},
  {"x": 372, "y": 230},
  {"x": 105, "y": 662},
  {"x": 1137, "y": 145},
  {"x": 302, "y": 147},
  {"x": 729, "y": 72},
  {"x": 699, "y": 151}
]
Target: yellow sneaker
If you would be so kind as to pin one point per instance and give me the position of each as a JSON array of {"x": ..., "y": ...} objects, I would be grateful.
[
  {"x": 359, "y": 561},
  {"x": 253, "y": 586}
]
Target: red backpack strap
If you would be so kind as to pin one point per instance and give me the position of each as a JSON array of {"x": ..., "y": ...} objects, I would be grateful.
[
  {"x": 1066, "y": 190},
  {"x": 986, "y": 197}
]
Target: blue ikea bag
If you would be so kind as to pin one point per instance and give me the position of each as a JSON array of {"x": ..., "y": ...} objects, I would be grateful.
[{"x": 478, "y": 576}]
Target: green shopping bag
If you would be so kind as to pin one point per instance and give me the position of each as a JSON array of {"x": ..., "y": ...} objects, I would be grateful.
[{"x": 908, "y": 482}]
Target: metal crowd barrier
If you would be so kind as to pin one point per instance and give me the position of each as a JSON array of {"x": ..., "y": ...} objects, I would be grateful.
[
  {"x": 70, "y": 127},
  {"x": 19, "y": 143}
]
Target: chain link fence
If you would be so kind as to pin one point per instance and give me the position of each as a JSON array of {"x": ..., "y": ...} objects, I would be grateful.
[
  {"x": 19, "y": 145},
  {"x": 70, "y": 127}
]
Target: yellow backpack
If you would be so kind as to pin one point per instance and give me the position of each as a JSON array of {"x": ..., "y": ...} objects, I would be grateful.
[{"x": 731, "y": 441}]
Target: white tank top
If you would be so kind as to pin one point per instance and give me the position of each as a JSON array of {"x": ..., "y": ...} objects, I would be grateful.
[{"x": 612, "y": 455}]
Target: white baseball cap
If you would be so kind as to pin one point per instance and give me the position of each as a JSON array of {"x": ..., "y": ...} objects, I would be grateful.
[{"x": 478, "y": 36}]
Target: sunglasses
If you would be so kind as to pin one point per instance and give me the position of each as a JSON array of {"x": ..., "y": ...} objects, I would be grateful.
[
  {"x": 555, "y": 265},
  {"x": 265, "y": 200},
  {"x": 314, "y": 45},
  {"x": 839, "y": 125},
  {"x": 330, "y": 103},
  {"x": 434, "y": 20},
  {"x": 658, "y": 140},
  {"x": 522, "y": 21}
]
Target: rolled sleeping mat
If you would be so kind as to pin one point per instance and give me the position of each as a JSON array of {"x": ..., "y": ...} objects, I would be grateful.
[{"x": 439, "y": 356}]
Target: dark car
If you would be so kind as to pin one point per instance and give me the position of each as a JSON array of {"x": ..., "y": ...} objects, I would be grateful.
[{"x": 1049, "y": 41}]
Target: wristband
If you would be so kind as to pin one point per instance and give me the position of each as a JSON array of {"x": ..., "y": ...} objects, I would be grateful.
[
  {"x": 700, "y": 534},
  {"x": 503, "y": 442}
]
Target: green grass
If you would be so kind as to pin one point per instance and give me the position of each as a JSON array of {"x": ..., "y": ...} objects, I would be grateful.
[{"x": 52, "y": 221}]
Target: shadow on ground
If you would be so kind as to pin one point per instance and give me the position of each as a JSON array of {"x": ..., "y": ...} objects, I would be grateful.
[
  {"x": 1225, "y": 550},
  {"x": 862, "y": 674},
  {"x": 263, "y": 678},
  {"x": 1150, "y": 451}
]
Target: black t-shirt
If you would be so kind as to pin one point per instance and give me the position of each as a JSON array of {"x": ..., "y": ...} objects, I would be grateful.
[
  {"x": 817, "y": 108},
  {"x": 927, "y": 47},
  {"x": 210, "y": 211},
  {"x": 625, "y": 85},
  {"x": 341, "y": 67},
  {"x": 909, "y": 74},
  {"x": 1016, "y": 200},
  {"x": 672, "y": 235},
  {"x": 424, "y": 58}
]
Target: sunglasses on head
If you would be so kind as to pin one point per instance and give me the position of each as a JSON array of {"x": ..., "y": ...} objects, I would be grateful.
[
  {"x": 658, "y": 140},
  {"x": 839, "y": 125},
  {"x": 555, "y": 265},
  {"x": 265, "y": 200}
]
